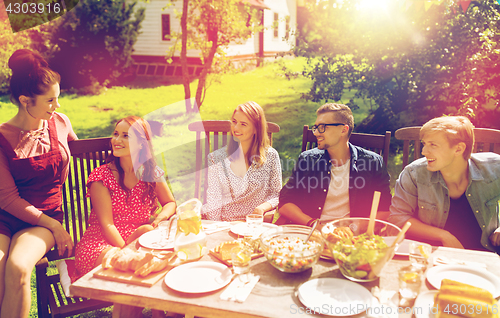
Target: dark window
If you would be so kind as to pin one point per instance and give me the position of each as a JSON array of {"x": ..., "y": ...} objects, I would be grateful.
[
  {"x": 276, "y": 25},
  {"x": 165, "y": 27},
  {"x": 170, "y": 70},
  {"x": 141, "y": 70},
  {"x": 160, "y": 70},
  {"x": 151, "y": 70}
]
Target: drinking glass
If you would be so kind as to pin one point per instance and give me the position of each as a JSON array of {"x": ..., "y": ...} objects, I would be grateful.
[
  {"x": 410, "y": 281},
  {"x": 163, "y": 227},
  {"x": 240, "y": 258},
  {"x": 254, "y": 221},
  {"x": 419, "y": 254}
]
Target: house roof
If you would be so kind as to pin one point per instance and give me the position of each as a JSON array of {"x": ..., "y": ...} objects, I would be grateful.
[{"x": 256, "y": 3}]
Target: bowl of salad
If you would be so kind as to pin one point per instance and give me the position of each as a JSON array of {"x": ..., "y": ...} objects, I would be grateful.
[
  {"x": 360, "y": 257},
  {"x": 285, "y": 248}
]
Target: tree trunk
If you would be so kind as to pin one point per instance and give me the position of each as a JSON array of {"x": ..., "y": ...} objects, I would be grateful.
[
  {"x": 213, "y": 34},
  {"x": 185, "y": 73}
]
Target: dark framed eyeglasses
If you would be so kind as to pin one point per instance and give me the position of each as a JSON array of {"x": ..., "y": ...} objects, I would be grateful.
[{"x": 322, "y": 127}]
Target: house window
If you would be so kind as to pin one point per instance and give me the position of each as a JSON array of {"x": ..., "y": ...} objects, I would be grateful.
[
  {"x": 165, "y": 27},
  {"x": 276, "y": 25},
  {"x": 287, "y": 27}
]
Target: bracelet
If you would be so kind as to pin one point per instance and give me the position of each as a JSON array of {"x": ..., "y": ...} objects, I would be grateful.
[{"x": 311, "y": 221}]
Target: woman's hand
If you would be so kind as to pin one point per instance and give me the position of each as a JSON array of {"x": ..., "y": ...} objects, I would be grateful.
[
  {"x": 140, "y": 230},
  {"x": 62, "y": 238},
  {"x": 262, "y": 208},
  {"x": 258, "y": 210},
  {"x": 157, "y": 220}
]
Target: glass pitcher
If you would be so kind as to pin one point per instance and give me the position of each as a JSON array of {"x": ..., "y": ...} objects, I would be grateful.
[{"x": 190, "y": 241}]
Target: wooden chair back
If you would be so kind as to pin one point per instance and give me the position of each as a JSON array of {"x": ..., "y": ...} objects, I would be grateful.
[
  {"x": 411, "y": 142},
  {"x": 86, "y": 154},
  {"x": 216, "y": 134},
  {"x": 486, "y": 140},
  {"x": 376, "y": 143}
]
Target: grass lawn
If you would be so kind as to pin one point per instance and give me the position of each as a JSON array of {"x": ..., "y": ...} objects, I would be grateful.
[{"x": 94, "y": 116}]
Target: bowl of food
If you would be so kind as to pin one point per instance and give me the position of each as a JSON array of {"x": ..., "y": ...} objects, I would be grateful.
[
  {"x": 361, "y": 257},
  {"x": 285, "y": 247}
]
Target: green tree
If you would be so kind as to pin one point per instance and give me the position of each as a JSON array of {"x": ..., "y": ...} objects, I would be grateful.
[
  {"x": 95, "y": 42},
  {"x": 413, "y": 64},
  {"x": 210, "y": 26},
  {"x": 37, "y": 38}
]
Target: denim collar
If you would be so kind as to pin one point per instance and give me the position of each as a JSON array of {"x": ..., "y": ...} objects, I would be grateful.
[
  {"x": 325, "y": 156},
  {"x": 474, "y": 174}
]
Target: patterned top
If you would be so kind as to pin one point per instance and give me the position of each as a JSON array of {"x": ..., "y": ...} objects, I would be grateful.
[
  {"x": 128, "y": 214},
  {"x": 28, "y": 144},
  {"x": 258, "y": 185}
]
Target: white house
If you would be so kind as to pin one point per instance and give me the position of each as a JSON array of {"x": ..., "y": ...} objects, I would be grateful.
[{"x": 153, "y": 44}]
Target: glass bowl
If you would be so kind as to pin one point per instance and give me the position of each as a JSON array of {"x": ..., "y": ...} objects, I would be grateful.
[
  {"x": 359, "y": 259},
  {"x": 284, "y": 247}
]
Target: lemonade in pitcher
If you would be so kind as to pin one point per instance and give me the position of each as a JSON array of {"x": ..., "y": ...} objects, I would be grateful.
[{"x": 190, "y": 240}]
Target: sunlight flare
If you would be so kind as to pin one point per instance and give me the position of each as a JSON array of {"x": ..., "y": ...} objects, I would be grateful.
[{"x": 373, "y": 4}]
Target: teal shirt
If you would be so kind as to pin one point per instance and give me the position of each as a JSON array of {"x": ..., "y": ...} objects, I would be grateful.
[{"x": 423, "y": 194}]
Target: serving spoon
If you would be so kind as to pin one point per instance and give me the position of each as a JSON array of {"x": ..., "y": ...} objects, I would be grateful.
[{"x": 315, "y": 224}]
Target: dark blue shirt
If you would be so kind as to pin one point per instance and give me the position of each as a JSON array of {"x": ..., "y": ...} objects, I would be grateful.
[{"x": 308, "y": 185}]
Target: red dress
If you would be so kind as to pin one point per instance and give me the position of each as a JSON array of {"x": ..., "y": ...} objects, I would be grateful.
[{"x": 128, "y": 215}]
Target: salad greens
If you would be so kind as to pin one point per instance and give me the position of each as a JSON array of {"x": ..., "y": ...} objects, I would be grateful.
[{"x": 355, "y": 255}]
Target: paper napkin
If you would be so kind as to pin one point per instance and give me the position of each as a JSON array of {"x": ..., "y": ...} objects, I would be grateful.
[
  {"x": 443, "y": 260},
  {"x": 239, "y": 289}
]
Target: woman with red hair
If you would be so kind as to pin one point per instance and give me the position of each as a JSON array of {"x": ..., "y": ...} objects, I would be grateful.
[{"x": 125, "y": 193}]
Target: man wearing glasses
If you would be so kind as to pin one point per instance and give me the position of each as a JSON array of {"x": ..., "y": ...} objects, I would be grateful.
[{"x": 337, "y": 179}]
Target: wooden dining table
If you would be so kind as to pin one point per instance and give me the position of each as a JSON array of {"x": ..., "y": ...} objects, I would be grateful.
[{"x": 275, "y": 295}]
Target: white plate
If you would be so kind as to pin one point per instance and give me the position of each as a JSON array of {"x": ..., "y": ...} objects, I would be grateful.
[
  {"x": 243, "y": 229},
  {"x": 152, "y": 239},
  {"x": 468, "y": 275},
  {"x": 334, "y": 296},
  {"x": 424, "y": 305},
  {"x": 197, "y": 277}
]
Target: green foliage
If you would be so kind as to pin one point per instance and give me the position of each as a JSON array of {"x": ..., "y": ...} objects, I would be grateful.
[
  {"x": 26, "y": 14},
  {"x": 211, "y": 26},
  {"x": 414, "y": 64},
  {"x": 37, "y": 39},
  {"x": 95, "y": 43}
]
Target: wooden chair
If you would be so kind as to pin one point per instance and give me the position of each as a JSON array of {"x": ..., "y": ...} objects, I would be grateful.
[
  {"x": 485, "y": 140},
  {"x": 216, "y": 134},
  {"x": 86, "y": 154},
  {"x": 376, "y": 143}
]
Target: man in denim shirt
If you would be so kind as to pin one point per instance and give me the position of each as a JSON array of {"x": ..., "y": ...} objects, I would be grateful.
[
  {"x": 336, "y": 179},
  {"x": 450, "y": 197}
]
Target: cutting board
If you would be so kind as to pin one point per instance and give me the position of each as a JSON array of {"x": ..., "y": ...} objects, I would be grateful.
[
  {"x": 129, "y": 277},
  {"x": 228, "y": 262}
]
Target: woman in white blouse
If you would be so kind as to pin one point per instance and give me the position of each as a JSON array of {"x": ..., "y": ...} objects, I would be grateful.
[{"x": 244, "y": 177}]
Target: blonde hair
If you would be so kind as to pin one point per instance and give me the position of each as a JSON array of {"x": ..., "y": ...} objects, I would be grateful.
[
  {"x": 342, "y": 114},
  {"x": 456, "y": 129},
  {"x": 260, "y": 142}
]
